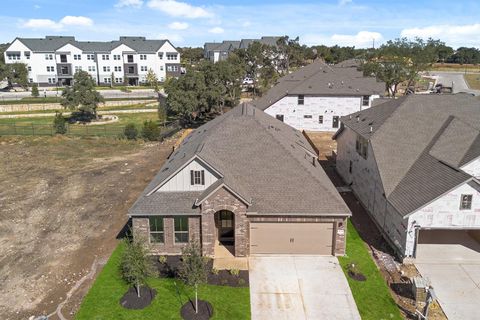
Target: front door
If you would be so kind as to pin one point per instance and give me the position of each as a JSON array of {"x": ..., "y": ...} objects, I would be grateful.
[{"x": 226, "y": 233}]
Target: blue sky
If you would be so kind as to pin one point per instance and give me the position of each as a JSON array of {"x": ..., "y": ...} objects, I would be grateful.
[{"x": 191, "y": 23}]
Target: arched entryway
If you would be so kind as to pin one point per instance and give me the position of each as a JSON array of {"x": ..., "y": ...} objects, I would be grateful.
[{"x": 225, "y": 224}]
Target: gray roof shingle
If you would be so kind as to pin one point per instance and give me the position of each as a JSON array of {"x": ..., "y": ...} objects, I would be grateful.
[{"x": 264, "y": 160}]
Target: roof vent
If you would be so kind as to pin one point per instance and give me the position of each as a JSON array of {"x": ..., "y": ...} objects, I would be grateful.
[
  {"x": 371, "y": 129},
  {"x": 314, "y": 163},
  {"x": 350, "y": 117},
  {"x": 358, "y": 118}
]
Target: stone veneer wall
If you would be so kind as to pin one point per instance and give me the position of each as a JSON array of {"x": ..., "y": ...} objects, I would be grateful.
[
  {"x": 224, "y": 200},
  {"x": 140, "y": 226},
  {"x": 339, "y": 227}
]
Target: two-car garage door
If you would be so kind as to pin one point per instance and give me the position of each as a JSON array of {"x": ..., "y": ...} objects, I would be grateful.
[{"x": 291, "y": 238}]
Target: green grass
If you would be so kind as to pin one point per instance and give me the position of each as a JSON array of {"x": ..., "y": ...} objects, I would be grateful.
[
  {"x": 473, "y": 80},
  {"x": 102, "y": 301},
  {"x": 372, "y": 296},
  {"x": 135, "y": 106},
  {"x": 31, "y": 100}
]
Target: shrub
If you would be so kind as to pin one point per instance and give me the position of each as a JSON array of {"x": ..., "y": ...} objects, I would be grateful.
[
  {"x": 59, "y": 123},
  {"x": 130, "y": 132},
  {"x": 162, "y": 259},
  {"x": 234, "y": 272},
  {"x": 241, "y": 282},
  {"x": 35, "y": 92},
  {"x": 150, "y": 131},
  {"x": 215, "y": 271}
]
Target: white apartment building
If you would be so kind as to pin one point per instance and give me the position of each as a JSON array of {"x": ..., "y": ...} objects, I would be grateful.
[{"x": 55, "y": 59}]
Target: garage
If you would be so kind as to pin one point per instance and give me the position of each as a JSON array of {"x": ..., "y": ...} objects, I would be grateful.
[
  {"x": 291, "y": 238},
  {"x": 448, "y": 246}
]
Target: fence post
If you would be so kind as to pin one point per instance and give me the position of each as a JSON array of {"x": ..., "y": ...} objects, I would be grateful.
[
  {"x": 33, "y": 130},
  {"x": 15, "y": 128}
]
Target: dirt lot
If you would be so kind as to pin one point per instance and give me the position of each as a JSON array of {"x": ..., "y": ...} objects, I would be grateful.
[
  {"x": 63, "y": 201},
  {"x": 395, "y": 273}
]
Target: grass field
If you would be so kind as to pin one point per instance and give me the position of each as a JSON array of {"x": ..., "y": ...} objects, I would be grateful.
[
  {"x": 108, "y": 108},
  {"x": 102, "y": 301},
  {"x": 473, "y": 80},
  {"x": 455, "y": 67},
  {"x": 31, "y": 100},
  {"x": 372, "y": 296}
]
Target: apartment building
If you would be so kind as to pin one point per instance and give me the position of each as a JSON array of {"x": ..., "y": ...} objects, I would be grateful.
[
  {"x": 55, "y": 59},
  {"x": 219, "y": 51}
]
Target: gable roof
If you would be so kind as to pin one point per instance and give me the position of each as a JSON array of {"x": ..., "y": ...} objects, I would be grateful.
[
  {"x": 53, "y": 43},
  {"x": 261, "y": 160},
  {"x": 319, "y": 78},
  {"x": 419, "y": 143}
]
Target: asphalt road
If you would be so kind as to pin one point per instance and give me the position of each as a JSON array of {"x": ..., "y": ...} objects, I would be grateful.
[
  {"x": 140, "y": 93},
  {"x": 455, "y": 80}
]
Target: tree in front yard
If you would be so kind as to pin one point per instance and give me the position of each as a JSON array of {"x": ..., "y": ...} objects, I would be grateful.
[
  {"x": 136, "y": 266},
  {"x": 193, "y": 269},
  {"x": 35, "y": 92},
  {"x": 152, "y": 79},
  {"x": 59, "y": 124},
  {"x": 82, "y": 96}
]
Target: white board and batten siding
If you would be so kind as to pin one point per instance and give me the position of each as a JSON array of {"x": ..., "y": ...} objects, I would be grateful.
[
  {"x": 473, "y": 168},
  {"x": 182, "y": 180},
  {"x": 445, "y": 213},
  {"x": 307, "y": 116}
]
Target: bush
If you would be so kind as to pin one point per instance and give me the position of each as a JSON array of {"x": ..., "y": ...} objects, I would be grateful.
[
  {"x": 59, "y": 124},
  {"x": 150, "y": 131},
  {"x": 162, "y": 259},
  {"x": 215, "y": 271},
  {"x": 81, "y": 116},
  {"x": 130, "y": 132},
  {"x": 35, "y": 92},
  {"x": 234, "y": 272}
]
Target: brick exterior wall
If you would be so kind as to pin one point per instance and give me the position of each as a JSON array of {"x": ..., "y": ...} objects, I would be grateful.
[
  {"x": 224, "y": 200},
  {"x": 141, "y": 227}
]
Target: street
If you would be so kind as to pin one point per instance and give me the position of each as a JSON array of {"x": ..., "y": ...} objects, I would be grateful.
[{"x": 455, "y": 80}]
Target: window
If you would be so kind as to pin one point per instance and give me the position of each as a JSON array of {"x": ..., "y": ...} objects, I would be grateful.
[
  {"x": 90, "y": 57},
  {"x": 63, "y": 58},
  {"x": 320, "y": 119},
  {"x": 77, "y": 57},
  {"x": 143, "y": 57},
  {"x": 49, "y": 57},
  {"x": 91, "y": 68},
  {"x": 105, "y": 57},
  {"x": 116, "y": 57},
  {"x": 118, "y": 68},
  {"x": 106, "y": 69},
  {"x": 51, "y": 80},
  {"x": 172, "y": 68},
  {"x": 27, "y": 54},
  {"x": 29, "y": 68},
  {"x": 366, "y": 101},
  {"x": 301, "y": 99},
  {"x": 64, "y": 70},
  {"x": 118, "y": 80},
  {"x": 160, "y": 55},
  {"x": 361, "y": 145},
  {"x": 13, "y": 56},
  {"x": 130, "y": 58},
  {"x": 226, "y": 219},
  {"x": 307, "y": 116},
  {"x": 171, "y": 56},
  {"x": 30, "y": 80},
  {"x": 50, "y": 69},
  {"x": 466, "y": 202},
  {"x": 107, "y": 80},
  {"x": 335, "y": 121},
  {"x": 181, "y": 229},
  {"x": 131, "y": 70},
  {"x": 279, "y": 117},
  {"x": 197, "y": 177},
  {"x": 161, "y": 68},
  {"x": 156, "y": 229},
  {"x": 78, "y": 68},
  {"x": 143, "y": 68}
]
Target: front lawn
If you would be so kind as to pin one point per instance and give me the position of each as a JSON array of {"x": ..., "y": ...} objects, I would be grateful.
[
  {"x": 102, "y": 301},
  {"x": 372, "y": 296}
]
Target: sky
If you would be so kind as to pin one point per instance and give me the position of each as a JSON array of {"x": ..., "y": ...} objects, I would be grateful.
[{"x": 356, "y": 23}]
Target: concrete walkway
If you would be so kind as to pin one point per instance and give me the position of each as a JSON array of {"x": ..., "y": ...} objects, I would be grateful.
[
  {"x": 299, "y": 287},
  {"x": 52, "y": 114}
]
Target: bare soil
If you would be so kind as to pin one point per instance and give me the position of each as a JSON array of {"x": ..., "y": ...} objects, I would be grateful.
[
  {"x": 63, "y": 206},
  {"x": 396, "y": 274}
]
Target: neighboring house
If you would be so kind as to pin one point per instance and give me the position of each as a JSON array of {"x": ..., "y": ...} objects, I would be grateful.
[
  {"x": 220, "y": 51},
  {"x": 247, "y": 181},
  {"x": 55, "y": 59},
  {"x": 414, "y": 164},
  {"x": 314, "y": 97}
]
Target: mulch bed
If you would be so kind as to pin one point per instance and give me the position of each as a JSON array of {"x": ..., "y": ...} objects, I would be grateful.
[
  {"x": 130, "y": 300},
  {"x": 169, "y": 269},
  {"x": 357, "y": 276},
  {"x": 205, "y": 310}
]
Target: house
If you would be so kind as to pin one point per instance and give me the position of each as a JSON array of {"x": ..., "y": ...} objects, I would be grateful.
[
  {"x": 314, "y": 97},
  {"x": 414, "y": 164},
  {"x": 247, "y": 181},
  {"x": 55, "y": 59},
  {"x": 219, "y": 51}
]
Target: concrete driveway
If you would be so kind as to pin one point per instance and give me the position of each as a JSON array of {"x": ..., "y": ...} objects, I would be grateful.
[
  {"x": 299, "y": 287},
  {"x": 456, "y": 78}
]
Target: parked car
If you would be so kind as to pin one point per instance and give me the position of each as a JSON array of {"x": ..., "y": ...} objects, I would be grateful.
[{"x": 247, "y": 81}]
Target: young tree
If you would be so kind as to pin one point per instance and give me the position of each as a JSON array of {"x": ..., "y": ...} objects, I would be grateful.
[
  {"x": 136, "y": 265},
  {"x": 152, "y": 79},
  {"x": 59, "y": 123},
  {"x": 35, "y": 92},
  {"x": 193, "y": 269},
  {"x": 82, "y": 96},
  {"x": 112, "y": 79},
  {"x": 15, "y": 73}
]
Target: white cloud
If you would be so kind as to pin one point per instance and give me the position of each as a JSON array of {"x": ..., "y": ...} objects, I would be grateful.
[
  {"x": 216, "y": 30},
  {"x": 76, "y": 21},
  {"x": 178, "y": 25},
  {"x": 41, "y": 24},
  {"x": 344, "y": 2},
  {"x": 362, "y": 39},
  {"x": 129, "y": 3},
  {"x": 179, "y": 9},
  {"x": 455, "y": 35},
  {"x": 36, "y": 6}
]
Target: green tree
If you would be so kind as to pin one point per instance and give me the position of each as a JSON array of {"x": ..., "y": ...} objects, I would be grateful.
[
  {"x": 35, "y": 92},
  {"x": 289, "y": 53},
  {"x": 82, "y": 96},
  {"x": 151, "y": 131},
  {"x": 152, "y": 79},
  {"x": 130, "y": 131},
  {"x": 193, "y": 269},
  {"x": 15, "y": 73},
  {"x": 191, "y": 56},
  {"x": 135, "y": 265},
  {"x": 59, "y": 123}
]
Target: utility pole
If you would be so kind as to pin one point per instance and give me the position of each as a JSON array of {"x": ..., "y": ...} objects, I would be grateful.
[{"x": 373, "y": 43}]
